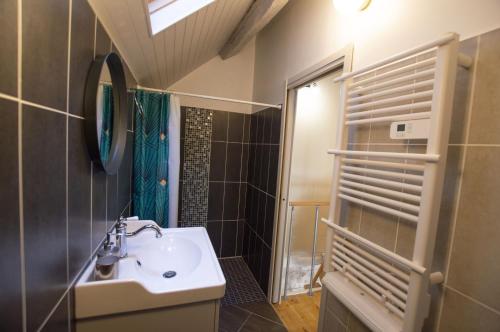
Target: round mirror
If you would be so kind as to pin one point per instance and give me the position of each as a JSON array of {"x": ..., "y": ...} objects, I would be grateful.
[{"x": 106, "y": 112}]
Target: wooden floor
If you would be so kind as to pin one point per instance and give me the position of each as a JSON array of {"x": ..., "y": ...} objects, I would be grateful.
[{"x": 300, "y": 312}]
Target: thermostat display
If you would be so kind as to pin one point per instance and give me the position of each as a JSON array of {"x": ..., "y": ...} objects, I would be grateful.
[{"x": 414, "y": 129}]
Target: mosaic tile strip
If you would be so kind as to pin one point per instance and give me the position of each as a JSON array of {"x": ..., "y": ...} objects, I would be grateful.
[
  {"x": 196, "y": 166},
  {"x": 241, "y": 286}
]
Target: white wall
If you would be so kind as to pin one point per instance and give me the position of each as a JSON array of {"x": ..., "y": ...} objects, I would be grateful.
[
  {"x": 307, "y": 31},
  {"x": 231, "y": 78}
]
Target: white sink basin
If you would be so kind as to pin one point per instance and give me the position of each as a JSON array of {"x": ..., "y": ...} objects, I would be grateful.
[{"x": 140, "y": 283}]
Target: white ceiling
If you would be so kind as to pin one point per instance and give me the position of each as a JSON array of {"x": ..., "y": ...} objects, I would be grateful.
[{"x": 163, "y": 59}]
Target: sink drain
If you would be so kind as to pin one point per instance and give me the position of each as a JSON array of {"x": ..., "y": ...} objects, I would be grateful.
[{"x": 169, "y": 274}]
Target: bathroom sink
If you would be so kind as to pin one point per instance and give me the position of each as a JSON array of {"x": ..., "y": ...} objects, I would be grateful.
[{"x": 178, "y": 268}]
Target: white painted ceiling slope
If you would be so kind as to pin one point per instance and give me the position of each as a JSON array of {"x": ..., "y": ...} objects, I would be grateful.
[{"x": 163, "y": 59}]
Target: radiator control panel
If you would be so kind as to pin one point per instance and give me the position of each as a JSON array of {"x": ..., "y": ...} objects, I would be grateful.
[{"x": 413, "y": 129}]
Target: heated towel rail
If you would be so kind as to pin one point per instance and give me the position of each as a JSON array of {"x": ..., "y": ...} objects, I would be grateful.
[{"x": 385, "y": 290}]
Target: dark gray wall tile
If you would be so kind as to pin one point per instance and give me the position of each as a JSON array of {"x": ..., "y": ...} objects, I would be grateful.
[
  {"x": 45, "y": 52},
  {"x": 231, "y": 201},
  {"x": 112, "y": 200},
  {"x": 242, "y": 201},
  {"x": 79, "y": 177},
  {"x": 59, "y": 321},
  {"x": 246, "y": 128},
  {"x": 233, "y": 164},
  {"x": 8, "y": 40},
  {"x": 217, "y": 161},
  {"x": 240, "y": 237},
  {"x": 10, "y": 269},
  {"x": 129, "y": 77},
  {"x": 214, "y": 230},
  {"x": 44, "y": 186},
  {"x": 102, "y": 40},
  {"x": 82, "y": 53},
  {"x": 236, "y": 127},
  {"x": 229, "y": 237},
  {"x": 215, "y": 200},
  {"x": 219, "y": 126},
  {"x": 98, "y": 206}
]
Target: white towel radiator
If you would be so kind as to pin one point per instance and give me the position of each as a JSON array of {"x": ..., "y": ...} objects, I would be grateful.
[{"x": 385, "y": 290}]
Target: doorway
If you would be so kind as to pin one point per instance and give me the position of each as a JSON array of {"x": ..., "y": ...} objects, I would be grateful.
[{"x": 310, "y": 130}]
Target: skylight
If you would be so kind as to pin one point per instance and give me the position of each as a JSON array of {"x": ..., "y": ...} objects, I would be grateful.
[{"x": 164, "y": 13}]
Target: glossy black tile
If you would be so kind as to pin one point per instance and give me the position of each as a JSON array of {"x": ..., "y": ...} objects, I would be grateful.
[
  {"x": 276, "y": 126},
  {"x": 82, "y": 53},
  {"x": 98, "y": 206},
  {"x": 10, "y": 269},
  {"x": 266, "y": 135},
  {"x": 253, "y": 128},
  {"x": 214, "y": 229},
  {"x": 217, "y": 161},
  {"x": 220, "y": 126},
  {"x": 269, "y": 220},
  {"x": 229, "y": 237},
  {"x": 102, "y": 40},
  {"x": 112, "y": 212},
  {"x": 45, "y": 52},
  {"x": 265, "y": 168},
  {"x": 261, "y": 214},
  {"x": 240, "y": 236},
  {"x": 265, "y": 267},
  {"x": 44, "y": 186},
  {"x": 273, "y": 169},
  {"x": 129, "y": 77},
  {"x": 236, "y": 127},
  {"x": 215, "y": 200},
  {"x": 242, "y": 201},
  {"x": 244, "y": 162},
  {"x": 59, "y": 321},
  {"x": 246, "y": 128},
  {"x": 246, "y": 242},
  {"x": 233, "y": 164},
  {"x": 8, "y": 40},
  {"x": 79, "y": 177},
  {"x": 251, "y": 168},
  {"x": 231, "y": 201}
]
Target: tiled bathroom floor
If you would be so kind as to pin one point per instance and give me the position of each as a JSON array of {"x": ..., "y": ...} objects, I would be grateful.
[{"x": 245, "y": 307}]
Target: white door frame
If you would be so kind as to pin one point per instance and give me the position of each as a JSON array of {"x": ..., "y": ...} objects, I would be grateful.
[{"x": 340, "y": 59}]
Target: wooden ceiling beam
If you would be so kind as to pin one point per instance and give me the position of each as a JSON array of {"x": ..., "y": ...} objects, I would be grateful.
[{"x": 260, "y": 13}]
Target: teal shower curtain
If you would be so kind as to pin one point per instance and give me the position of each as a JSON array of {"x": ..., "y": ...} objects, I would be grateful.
[
  {"x": 107, "y": 123},
  {"x": 150, "y": 197}
]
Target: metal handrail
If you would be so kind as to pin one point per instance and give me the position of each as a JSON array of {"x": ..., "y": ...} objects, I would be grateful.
[{"x": 293, "y": 205}]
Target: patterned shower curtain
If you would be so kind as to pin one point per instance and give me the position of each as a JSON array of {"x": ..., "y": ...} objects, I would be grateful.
[{"x": 151, "y": 158}]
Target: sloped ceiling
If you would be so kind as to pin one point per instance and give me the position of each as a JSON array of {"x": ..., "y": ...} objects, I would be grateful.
[{"x": 163, "y": 59}]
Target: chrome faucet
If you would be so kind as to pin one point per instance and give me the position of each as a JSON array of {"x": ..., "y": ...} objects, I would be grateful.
[
  {"x": 121, "y": 233},
  {"x": 145, "y": 227}
]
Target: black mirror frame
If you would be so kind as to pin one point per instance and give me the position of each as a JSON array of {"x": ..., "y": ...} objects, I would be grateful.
[{"x": 120, "y": 113}]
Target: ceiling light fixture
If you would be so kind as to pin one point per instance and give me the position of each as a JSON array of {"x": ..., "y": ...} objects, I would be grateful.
[{"x": 350, "y": 6}]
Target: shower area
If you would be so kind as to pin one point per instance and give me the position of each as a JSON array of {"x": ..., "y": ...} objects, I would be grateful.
[{"x": 310, "y": 174}]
